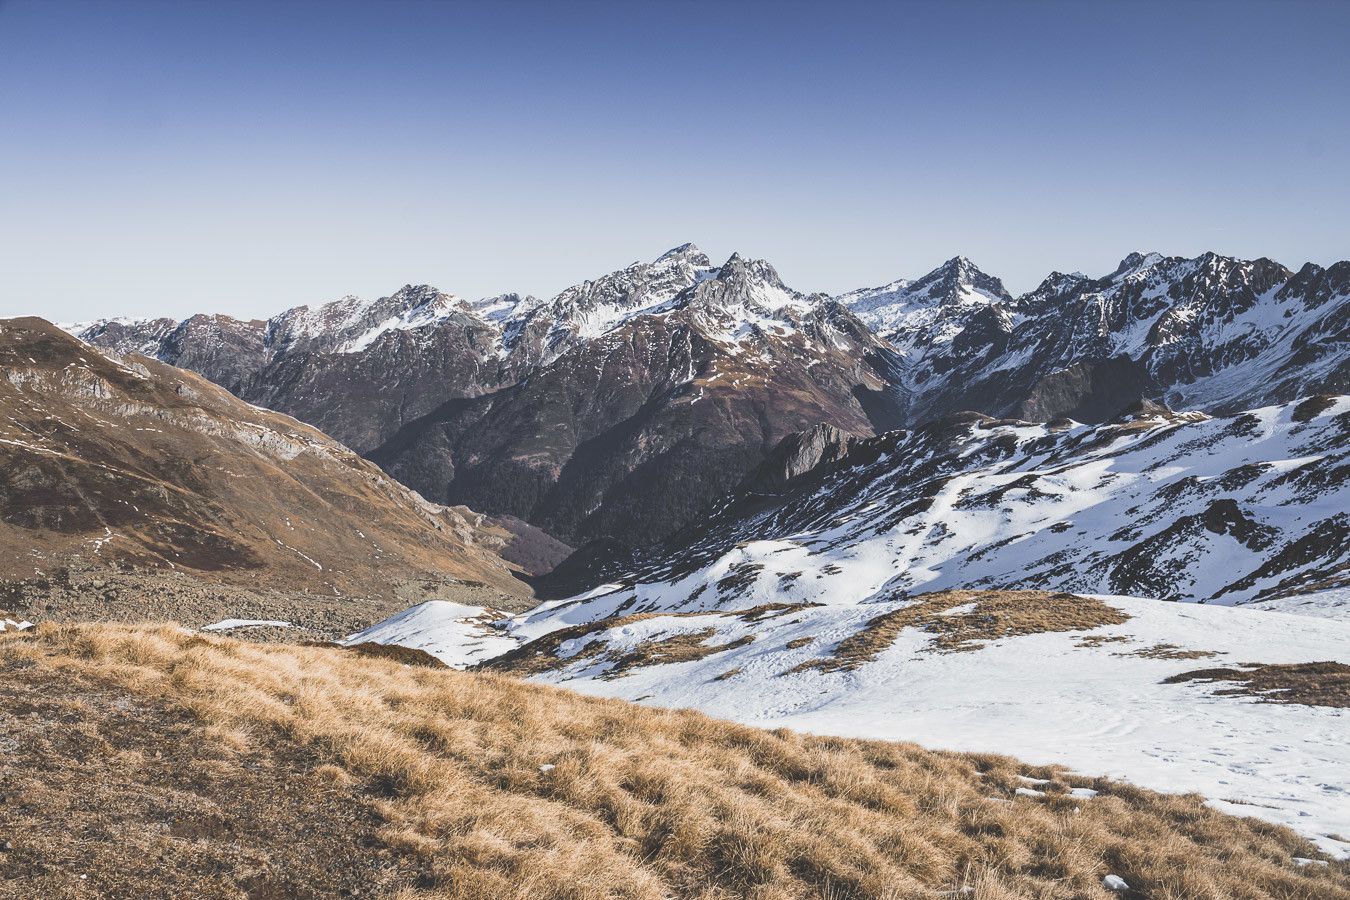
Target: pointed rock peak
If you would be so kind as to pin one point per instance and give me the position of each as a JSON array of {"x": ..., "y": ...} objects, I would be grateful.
[
  {"x": 1136, "y": 262},
  {"x": 739, "y": 267},
  {"x": 742, "y": 283},
  {"x": 1211, "y": 261},
  {"x": 411, "y": 298},
  {"x": 959, "y": 277},
  {"x": 962, "y": 267},
  {"x": 690, "y": 252},
  {"x": 501, "y": 307},
  {"x": 419, "y": 292},
  {"x": 1058, "y": 282}
]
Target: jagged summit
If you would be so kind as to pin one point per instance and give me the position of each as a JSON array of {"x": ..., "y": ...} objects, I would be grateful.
[
  {"x": 1208, "y": 333},
  {"x": 1136, "y": 261},
  {"x": 959, "y": 280},
  {"x": 923, "y": 316},
  {"x": 687, "y": 251}
]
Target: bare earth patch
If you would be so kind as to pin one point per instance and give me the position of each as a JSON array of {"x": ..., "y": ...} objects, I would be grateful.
[
  {"x": 489, "y": 787},
  {"x": 1310, "y": 684},
  {"x": 992, "y": 615}
]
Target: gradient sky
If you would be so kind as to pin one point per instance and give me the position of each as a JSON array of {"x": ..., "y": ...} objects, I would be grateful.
[{"x": 169, "y": 158}]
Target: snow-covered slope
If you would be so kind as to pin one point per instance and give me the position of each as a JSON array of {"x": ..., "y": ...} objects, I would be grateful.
[
  {"x": 803, "y": 601},
  {"x": 929, "y": 310},
  {"x": 1211, "y": 333},
  {"x": 1175, "y": 506},
  {"x": 1115, "y": 693},
  {"x": 455, "y": 633},
  {"x": 1096, "y": 698}
]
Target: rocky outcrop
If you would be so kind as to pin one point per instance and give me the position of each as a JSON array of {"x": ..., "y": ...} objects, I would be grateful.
[
  {"x": 1087, "y": 391},
  {"x": 798, "y": 455}
]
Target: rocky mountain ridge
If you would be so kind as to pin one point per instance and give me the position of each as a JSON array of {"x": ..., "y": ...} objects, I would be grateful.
[
  {"x": 634, "y": 431},
  {"x": 1212, "y": 333},
  {"x": 568, "y": 412}
]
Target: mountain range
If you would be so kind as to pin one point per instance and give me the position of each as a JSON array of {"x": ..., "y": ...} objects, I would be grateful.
[{"x": 623, "y": 406}]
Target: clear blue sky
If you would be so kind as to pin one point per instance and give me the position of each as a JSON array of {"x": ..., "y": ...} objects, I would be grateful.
[{"x": 166, "y": 158}]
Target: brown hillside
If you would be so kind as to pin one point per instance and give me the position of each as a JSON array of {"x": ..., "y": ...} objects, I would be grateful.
[
  {"x": 135, "y": 465},
  {"x": 489, "y": 787}
]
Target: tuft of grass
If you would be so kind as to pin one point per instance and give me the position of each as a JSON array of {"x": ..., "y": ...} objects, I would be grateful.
[
  {"x": 497, "y": 788},
  {"x": 991, "y": 615},
  {"x": 684, "y": 647},
  {"x": 1310, "y": 684},
  {"x": 1097, "y": 640},
  {"x": 408, "y": 656},
  {"x": 1169, "y": 651}
]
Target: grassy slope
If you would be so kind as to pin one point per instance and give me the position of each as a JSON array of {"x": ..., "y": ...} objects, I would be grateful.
[{"x": 647, "y": 803}]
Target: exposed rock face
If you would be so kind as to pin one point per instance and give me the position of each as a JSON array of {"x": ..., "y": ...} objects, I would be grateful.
[
  {"x": 134, "y": 463},
  {"x": 356, "y": 369},
  {"x": 631, "y": 433},
  {"x": 797, "y": 455},
  {"x": 1087, "y": 391},
  {"x": 625, "y": 404},
  {"x": 1209, "y": 333}
]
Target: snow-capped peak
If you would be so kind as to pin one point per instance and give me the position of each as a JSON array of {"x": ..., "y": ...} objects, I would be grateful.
[
  {"x": 939, "y": 300},
  {"x": 592, "y": 308},
  {"x": 502, "y": 307},
  {"x": 687, "y": 251},
  {"x": 352, "y": 324},
  {"x": 1136, "y": 262}
]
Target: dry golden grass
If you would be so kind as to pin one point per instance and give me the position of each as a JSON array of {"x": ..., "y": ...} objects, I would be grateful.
[
  {"x": 1311, "y": 684},
  {"x": 1097, "y": 640},
  {"x": 1168, "y": 651},
  {"x": 509, "y": 790},
  {"x": 545, "y": 653},
  {"x": 684, "y": 647},
  {"x": 993, "y": 614}
]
